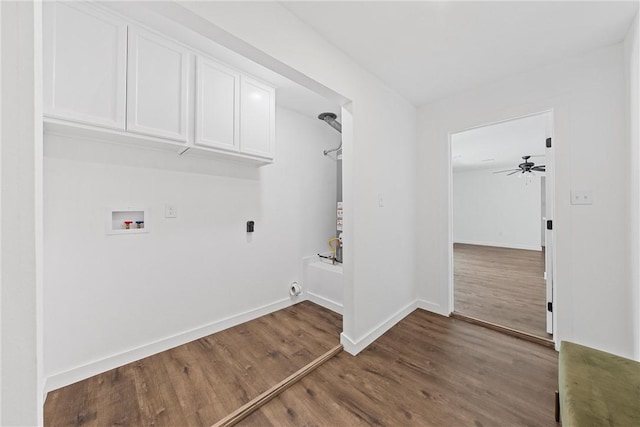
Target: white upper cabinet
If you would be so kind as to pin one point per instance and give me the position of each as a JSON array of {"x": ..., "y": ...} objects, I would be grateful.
[
  {"x": 157, "y": 86},
  {"x": 257, "y": 118},
  {"x": 217, "y": 94},
  {"x": 105, "y": 74},
  {"x": 84, "y": 65}
]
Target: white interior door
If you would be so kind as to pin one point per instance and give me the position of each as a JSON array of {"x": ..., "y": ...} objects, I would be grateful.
[{"x": 549, "y": 241}]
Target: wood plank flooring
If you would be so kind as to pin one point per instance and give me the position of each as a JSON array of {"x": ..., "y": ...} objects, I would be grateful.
[
  {"x": 501, "y": 285},
  {"x": 428, "y": 370},
  {"x": 199, "y": 383},
  {"x": 247, "y": 409}
]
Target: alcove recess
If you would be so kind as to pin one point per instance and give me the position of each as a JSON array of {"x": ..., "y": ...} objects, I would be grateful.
[{"x": 115, "y": 220}]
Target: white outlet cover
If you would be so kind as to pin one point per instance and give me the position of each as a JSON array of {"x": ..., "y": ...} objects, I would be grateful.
[
  {"x": 581, "y": 197},
  {"x": 170, "y": 210}
]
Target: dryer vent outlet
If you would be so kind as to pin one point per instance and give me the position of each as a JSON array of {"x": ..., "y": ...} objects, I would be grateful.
[{"x": 295, "y": 289}]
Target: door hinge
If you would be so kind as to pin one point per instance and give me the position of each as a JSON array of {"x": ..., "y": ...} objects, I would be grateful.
[
  {"x": 549, "y": 224},
  {"x": 548, "y": 142},
  {"x": 550, "y": 307}
]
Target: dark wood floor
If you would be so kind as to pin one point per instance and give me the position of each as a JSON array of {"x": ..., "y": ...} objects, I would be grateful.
[
  {"x": 501, "y": 285},
  {"x": 199, "y": 383},
  {"x": 428, "y": 370}
]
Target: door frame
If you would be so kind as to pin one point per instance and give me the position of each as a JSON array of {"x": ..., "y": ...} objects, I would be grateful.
[{"x": 550, "y": 197}]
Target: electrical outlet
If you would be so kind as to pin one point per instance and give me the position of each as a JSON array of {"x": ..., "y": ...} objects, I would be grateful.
[
  {"x": 583, "y": 197},
  {"x": 170, "y": 210}
]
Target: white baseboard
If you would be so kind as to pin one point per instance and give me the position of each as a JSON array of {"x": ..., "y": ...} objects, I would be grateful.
[
  {"x": 354, "y": 347},
  {"x": 501, "y": 245},
  {"x": 61, "y": 379},
  {"x": 324, "y": 302},
  {"x": 432, "y": 307}
]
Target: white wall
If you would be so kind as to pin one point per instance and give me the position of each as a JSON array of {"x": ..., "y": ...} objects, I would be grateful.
[
  {"x": 379, "y": 268},
  {"x": 21, "y": 221},
  {"x": 1, "y": 119},
  {"x": 632, "y": 77},
  {"x": 496, "y": 210},
  {"x": 593, "y": 291},
  {"x": 111, "y": 299},
  {"x": 323, "y": 283}
]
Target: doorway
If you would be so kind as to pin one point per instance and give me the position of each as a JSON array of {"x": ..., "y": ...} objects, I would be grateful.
[{"x": 502, "y": 189}]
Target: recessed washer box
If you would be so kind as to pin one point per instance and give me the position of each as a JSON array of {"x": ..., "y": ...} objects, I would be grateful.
[{"x": 117, "y": 219}]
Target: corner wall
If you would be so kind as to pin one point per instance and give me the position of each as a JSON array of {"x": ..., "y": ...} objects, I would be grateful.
[
  {"x": 20, "y": 215},
  {"x": 586, "y": 93},
  {"x": 632, "y": 77},
  {"x": 112, "y": 299}
]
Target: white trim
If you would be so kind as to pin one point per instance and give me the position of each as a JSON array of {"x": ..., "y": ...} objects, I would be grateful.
[
  {"x": 500, "y": 245},
  {"x": 324, "y": 302},
  {"x": 39, "y": 314},
  {"x": 432, "y": 307},
  {"x": 61, "y": 379},
  {"x": 38, "y": 94},
  {"x": 354, "y": 347}
]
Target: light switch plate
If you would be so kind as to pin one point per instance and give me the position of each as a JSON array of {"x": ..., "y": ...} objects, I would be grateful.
[
  {"x": 380, "y": 200},
  {"x": 581, "y": 197}
]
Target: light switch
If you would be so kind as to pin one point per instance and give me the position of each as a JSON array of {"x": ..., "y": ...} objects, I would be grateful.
[
  {"x": 581, "y": 197},
  {"x": 380, "y": 200}
]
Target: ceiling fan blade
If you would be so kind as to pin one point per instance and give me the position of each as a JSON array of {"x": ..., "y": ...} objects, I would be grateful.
[
  {"x": 508, "y": 170},
  {"x": 516, "y": 171},
  {"x": 537, "y": 155},
  {"x": 540, "y": 168}
]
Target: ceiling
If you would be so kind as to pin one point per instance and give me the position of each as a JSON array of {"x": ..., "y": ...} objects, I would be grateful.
[
  {"x": 430, "y": 50},
  {"x": 500, "y": 146}
]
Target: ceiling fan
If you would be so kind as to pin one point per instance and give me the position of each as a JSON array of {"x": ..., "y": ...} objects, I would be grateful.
[{"x": 525, "y": 167}]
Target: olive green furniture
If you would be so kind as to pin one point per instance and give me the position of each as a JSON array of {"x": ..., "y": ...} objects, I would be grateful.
[{"x": 597, "y": 388}]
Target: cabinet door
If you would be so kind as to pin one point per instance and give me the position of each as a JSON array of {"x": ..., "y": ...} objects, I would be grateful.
[
  {"x": 157, "y": 86},
  {"x": 84, "y": 64},
  {"x": 217, "y": 93},
  {"x": 257, "y": 118}
]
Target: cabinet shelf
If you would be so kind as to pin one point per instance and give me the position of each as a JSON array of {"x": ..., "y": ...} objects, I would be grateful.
[
  {"x": 63, "y": 128},
  {"x": 212, "y": 153}
]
